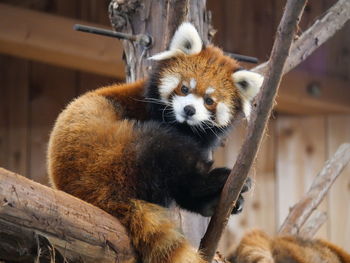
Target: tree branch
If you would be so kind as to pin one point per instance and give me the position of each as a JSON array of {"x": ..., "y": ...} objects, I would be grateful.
[
  {"x": 31, "y": 213},
  {"x": 318, "y": 190},
  {"x": 323, "y": 29},
  {"x": 313, "y": 224},
  {"x": 239, "y": 173}
]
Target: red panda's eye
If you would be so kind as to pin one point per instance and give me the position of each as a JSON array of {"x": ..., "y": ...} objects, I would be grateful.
[
  {"x": 185, "y": 90},
  {"x": 209, "y": 101}
]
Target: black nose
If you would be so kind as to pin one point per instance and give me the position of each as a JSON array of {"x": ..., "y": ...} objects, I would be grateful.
[{"x": 189, "y": 110}]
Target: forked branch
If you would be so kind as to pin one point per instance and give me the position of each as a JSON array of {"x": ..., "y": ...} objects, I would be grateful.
[{"x": 318, "y": 190}]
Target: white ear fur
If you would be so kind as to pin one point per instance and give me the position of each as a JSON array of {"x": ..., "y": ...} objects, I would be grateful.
[
  {"x": 186, "y": 40},
  {"x": 248, "y": 84}
]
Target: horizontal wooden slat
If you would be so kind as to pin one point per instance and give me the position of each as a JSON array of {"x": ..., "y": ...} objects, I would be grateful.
[{"x": 51, "y": 39}]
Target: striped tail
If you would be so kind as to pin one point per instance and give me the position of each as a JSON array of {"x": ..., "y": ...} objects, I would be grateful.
[{"x": 155, "y": 236}]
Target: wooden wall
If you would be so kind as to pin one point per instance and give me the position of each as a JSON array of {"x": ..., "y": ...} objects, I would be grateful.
[
  {"x": 33, "y": 93},
  {"x": 294, "y": 150}
]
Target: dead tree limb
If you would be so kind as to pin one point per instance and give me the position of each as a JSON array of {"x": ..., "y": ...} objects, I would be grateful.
[
  {"x": 78, "y": 230},
  {"x": 239, "y": 173},
  {"x": 318, "y": 190},
  {"x": 323, "y": 29},
  {"x": 313, "y": 224}
]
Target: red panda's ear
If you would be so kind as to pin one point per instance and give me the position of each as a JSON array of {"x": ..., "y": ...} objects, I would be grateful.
[
  {"x": 248, "y": 84},
  {"x": 186, "y": 40}
]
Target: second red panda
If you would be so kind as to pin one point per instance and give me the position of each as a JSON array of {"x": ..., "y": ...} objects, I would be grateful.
[
  {"x": 258, "y": 247},
  {"x": 132, "y": 149}
]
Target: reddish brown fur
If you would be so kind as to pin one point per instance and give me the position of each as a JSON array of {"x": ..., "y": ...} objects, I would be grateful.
[
  {"x": 90, "y": 129},
  {"x": 210, "y": 68},
  {"x": 88, "y": 155},
  {"x": 257, "y": 247}
]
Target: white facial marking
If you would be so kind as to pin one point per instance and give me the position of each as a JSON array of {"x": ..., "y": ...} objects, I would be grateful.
[
  {"x": 223, "y": 114},
  {"x": 167, "y": 85},
  {"x": 193, "y": 83},
  {"x": 180, "y": 102},
  {"x": 210, "y": 90}
]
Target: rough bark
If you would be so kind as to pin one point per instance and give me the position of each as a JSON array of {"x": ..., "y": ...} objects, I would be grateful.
[
  {"x": 159, "y": 19},
  {"x": 318, "y": 190},
  {"x": 257, "y": 126},
  {"x": 31, "y": 213}
]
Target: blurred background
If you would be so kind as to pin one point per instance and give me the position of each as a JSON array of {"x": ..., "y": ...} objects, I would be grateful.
[{"x": 44, "y": 64}]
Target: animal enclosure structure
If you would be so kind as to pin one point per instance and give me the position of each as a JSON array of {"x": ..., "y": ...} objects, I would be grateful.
[{"x": 297, "y": 143}]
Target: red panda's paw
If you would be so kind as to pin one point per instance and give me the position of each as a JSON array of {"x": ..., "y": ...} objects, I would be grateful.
[{"x": 238, "y": 208}]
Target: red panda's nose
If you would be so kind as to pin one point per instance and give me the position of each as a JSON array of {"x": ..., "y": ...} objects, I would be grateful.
[{"x": 189, "y": 110}]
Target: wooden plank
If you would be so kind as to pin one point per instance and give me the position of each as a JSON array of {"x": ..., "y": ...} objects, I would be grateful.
[
  {"x": 339, "y": 196},
  {"x": 301, "y": 153},
  {"x": 51, "y": 39},
  {"x": 259, "y": 211},
  {"x": 14, "y": 133}
]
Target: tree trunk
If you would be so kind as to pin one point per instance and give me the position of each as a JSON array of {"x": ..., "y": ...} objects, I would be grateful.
[{"x": 158, "y": 19}]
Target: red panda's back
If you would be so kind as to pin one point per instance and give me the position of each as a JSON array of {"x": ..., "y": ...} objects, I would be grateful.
[{"x": 87, "y": 151}]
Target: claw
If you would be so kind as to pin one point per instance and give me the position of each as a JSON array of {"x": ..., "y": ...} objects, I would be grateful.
[
  {"x": 239, "y": 205},
  {"x": 247, "y": 185}
]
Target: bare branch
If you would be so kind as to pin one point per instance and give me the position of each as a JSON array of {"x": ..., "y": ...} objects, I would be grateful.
[
  {"x": 29, "y": 210},
  {"x": 318, "y": 190},
  {"x": 239, "y": 173},
  {"x": 323, "y": 29},
  {"x": 313, "y": 224}
]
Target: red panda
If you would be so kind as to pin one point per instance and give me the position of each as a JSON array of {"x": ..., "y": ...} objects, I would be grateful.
[
  {"x": 258, "y": 247},
  {"x": 132, "y": 149}
]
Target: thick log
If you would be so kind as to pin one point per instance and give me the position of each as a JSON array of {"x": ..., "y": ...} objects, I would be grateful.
[
  {"x": 257, "y": 126},
  {"x": 31, "y": 213},
  {"x": 318, "y": 190}
]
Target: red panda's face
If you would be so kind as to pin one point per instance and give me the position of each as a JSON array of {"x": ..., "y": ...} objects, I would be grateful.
[
  {"x": 199, "y": 88},
  {"x": 202, "y": 87}
]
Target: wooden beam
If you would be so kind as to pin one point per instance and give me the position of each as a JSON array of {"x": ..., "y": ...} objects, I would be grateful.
[{"x": 51, "y": 39}]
